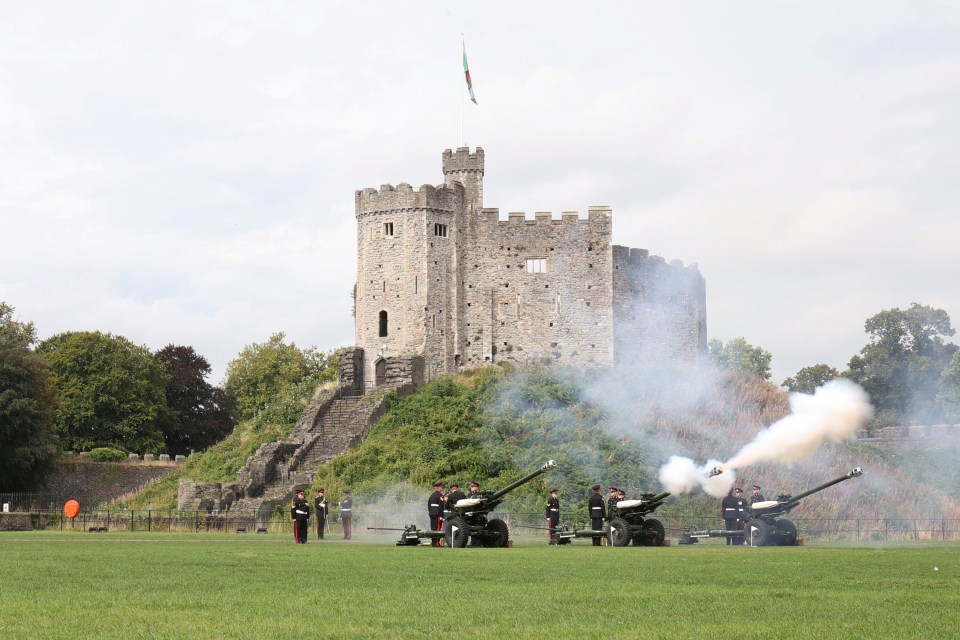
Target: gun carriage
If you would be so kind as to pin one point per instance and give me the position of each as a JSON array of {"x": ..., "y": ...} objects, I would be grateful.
[
  {"x": 467, "y": 520},
  {"x": 765, "y": 526}
]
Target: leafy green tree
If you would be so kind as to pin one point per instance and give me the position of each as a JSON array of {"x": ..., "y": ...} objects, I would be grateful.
[
  {"x": 949, "y": 396},
  {"x": 201, "y": 410},
  {"x": 808, "y": 379},
  {"x": 111, "y": 392},
  {"x": 263, "y": 372},
  {"x": 29, "y": 447},
  {"x": 739, "y": 355},
  {"x": 902, "y": 365}
]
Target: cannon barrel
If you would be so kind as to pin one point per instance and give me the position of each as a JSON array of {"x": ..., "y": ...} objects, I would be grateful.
[
  {"x": 496, "y": 495},
  {"x": 820, "y": 487},
  {"x": 660, "y": 497}
]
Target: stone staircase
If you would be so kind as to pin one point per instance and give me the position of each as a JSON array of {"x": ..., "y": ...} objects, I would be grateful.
[{"x": 334, "y": 422}]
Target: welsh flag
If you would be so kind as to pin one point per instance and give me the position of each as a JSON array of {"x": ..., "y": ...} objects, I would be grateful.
[{"x": 466, "y": 73}]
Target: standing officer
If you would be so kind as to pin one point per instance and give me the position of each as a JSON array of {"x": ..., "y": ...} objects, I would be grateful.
[
  {"x": 597, "y": 512},
  {"x": 455, "y": 495},
  {"x": 612, "y": 499},
  {"x": 320, "y": 504},
  {"x": 300, "y": 513},
  {"x": 553, "y": 512},
  {"x": 732, "y": 510},
  {"x": 346, "y": 514},
  {"x": 741, "y": 515},
  {"x": 435, "y": 511},
  {"x": 757, "y": 496}
]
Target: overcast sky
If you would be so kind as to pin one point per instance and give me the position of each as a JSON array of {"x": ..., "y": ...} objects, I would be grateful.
[{"x": 184, "y": 172}]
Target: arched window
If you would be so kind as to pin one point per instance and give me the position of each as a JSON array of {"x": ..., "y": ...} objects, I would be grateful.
[{"x": 383, "y": 324}]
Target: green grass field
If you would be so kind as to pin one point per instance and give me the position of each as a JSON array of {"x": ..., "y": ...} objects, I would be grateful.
[{"x": 157, "y": 585}]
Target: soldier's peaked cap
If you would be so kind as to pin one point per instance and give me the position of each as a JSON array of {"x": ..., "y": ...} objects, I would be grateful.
[
  {"x": 757, "y": 487},
  {"x": 553, "y": 491},
  {"x": 299, "y": 490},
  {"x": 596, "y": 487},
  {"x": 454, "y": 485}
]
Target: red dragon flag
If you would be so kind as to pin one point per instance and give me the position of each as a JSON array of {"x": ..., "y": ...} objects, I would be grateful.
[{"x": 466, "y": 73}]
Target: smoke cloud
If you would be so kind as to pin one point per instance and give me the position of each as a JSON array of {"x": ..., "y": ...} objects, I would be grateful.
[{"x": 834, "y": 413}]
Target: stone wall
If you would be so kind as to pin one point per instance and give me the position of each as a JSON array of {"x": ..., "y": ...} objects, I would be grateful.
[{"x": 93, "y": 483}]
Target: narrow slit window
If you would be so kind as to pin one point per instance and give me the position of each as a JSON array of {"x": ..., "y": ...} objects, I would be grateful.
[
  {"x": 383, "y": 324},
  {"x": 388, "y": 229}
]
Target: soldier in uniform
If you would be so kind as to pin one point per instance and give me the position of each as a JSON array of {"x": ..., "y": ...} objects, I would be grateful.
[
  {"x": 346, "y": 514},
  {"x": 597, "y": 512},
  {"x": 474, "y": 490},
  {"x": 320, "y": 504},
  {"x": 455, "y": 495},
  {"x": 756, "y": 496},
  {"x": 741, "y": 515},
  {"x": 612, "y": 499},
  {"x": 300, "y": 513},
  {"x": 732, "y": 510},
  {"x": 553, "y": 512},
  {"x": 435, "y": 511}
]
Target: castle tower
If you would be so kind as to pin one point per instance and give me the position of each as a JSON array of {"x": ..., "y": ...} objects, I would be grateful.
[{"x": 467, "y": 169}]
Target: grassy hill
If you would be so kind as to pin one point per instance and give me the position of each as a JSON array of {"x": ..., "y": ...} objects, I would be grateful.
[{"x": 611, "y": 427}]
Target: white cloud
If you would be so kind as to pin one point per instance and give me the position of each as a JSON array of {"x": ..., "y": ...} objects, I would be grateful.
[{"x": 184, "y": 172}]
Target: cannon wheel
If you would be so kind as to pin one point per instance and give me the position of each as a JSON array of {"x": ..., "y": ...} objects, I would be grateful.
[
  {"x": 500, "y": 534},
  {"x": 456, "y": 533},
  {"x": 788, "y": 532},
  {"x": 764, "y": 536},
  {"x": 653, "y": 533},
  {"x": 619, "y": 532}
]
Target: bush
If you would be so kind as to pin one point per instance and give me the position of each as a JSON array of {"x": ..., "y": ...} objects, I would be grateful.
[{"x": 107, "y": 454}]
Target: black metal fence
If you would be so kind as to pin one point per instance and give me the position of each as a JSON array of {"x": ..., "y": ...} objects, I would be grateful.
[{"x": 521, "y": 524}]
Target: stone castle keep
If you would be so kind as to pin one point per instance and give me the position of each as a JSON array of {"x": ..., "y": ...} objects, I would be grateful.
[{"x": 443, "y": 283}]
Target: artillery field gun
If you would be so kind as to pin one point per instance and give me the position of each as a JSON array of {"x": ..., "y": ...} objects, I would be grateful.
[
  {"x": 764, "y": 526},
  {"x": 467, "y": 519},
  {"x": 627, "y": 521}
]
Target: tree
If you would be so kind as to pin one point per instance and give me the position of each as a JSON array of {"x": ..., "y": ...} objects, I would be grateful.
[
  {"x": 111, "y": 392},
  {"x": 202, "y": 415},
  {"x": 949, "y": 396},
  {"x": 902, "y": 364},
  {"x": 262, "y": 372},
  {"x": 739, "y": 355},
  {"x": 29, "y": 447},
  {"x": 809, "y": 379}
]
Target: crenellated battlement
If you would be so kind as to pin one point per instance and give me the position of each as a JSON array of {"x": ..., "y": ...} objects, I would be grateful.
[
  {"x": 404, "y": 198},
  {"x": 601, "y": 215},
  {"x": 462, "y": 160},
  {"x": 630, "y": 257}
]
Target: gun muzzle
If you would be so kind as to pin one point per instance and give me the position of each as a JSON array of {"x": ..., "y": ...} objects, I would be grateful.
[{"x": 714, "y": 472}]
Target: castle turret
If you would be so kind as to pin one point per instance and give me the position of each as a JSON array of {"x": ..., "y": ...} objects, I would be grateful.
[{"x": 467, "y": 169}]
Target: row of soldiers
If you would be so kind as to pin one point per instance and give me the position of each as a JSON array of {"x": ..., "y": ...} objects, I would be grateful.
[{"x": 300, "y": 514}]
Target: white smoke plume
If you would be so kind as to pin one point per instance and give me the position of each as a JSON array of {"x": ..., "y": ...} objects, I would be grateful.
[{"x": 834, "y": 413}]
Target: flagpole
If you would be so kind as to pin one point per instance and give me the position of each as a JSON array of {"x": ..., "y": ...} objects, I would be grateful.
[{"x": 464, "y": 46}]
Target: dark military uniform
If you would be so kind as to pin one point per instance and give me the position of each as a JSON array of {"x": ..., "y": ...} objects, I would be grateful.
[
  {"x": 756, "y": 496},
  {"x": 597, "y": 513},
  {"x": 474, "y": 490},
  {"x": 320, "y": 504},
  {"x": 732, "y": 510},
  {"x": 346, "y": 515},
  {"x": 435, "y": 513},
  {"x": 553, "y": 513},
  {"x": 300, "y": 513},
  {"x": 454, "y": 496}
]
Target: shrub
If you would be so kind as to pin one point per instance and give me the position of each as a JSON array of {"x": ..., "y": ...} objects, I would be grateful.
[{"x": 107, "y": 454}]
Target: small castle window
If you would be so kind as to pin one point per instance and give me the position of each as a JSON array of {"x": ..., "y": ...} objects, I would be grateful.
[
  {"x": 440, "y": 230},
  {"x": 388, "y": 229},
  {"x": 536, "y": 265},
  {"x": 383, "y": 324},
  {"x": 553, "y": 345}
]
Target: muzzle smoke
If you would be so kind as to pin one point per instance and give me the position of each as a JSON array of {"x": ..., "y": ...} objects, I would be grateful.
[{"x": 834, "y": 413}]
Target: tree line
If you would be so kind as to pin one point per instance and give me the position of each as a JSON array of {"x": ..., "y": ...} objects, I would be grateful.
[
  {"x": 87, "y": 390},
  {"x": 908, "y": 367}
]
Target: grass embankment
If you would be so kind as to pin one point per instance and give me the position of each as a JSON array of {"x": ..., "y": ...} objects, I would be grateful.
[
  {"x": 221, "y": 461},
  {"x": 203, "y": 586}
]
